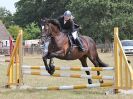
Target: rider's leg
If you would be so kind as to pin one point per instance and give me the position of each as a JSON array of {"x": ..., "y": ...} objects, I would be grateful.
[{"x": 78, "y": 41}]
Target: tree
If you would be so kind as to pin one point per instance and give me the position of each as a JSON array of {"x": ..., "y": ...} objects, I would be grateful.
[
  {"x": 32, "y": 30},
  {"x": 6, "y": 17},
  {"x": 14, "y": 30},
  {"x": 99, "y": 17},
  {"x": 29, "y": 11},
  {"x": 96, "y": 17}
]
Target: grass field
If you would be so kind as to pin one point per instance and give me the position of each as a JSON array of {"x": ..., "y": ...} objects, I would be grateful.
[{"x": 38, "y": 81}]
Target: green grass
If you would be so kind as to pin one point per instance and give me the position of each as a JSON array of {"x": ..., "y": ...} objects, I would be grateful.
[{"x": 38, "y": 81}]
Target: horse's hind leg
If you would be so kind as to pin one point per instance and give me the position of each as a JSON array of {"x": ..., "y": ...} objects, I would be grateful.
[
  {"x": 94, "y": 61},
  {"x": 83, "y": 61}
]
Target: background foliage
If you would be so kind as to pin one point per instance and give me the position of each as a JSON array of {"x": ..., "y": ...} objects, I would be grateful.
[{"x": 96, "y": 17}]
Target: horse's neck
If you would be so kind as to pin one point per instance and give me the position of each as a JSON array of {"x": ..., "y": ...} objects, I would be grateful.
[{"x": 60, "y": 38}]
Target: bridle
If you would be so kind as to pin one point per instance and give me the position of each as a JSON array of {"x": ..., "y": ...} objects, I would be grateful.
[{"x": 48, "y": 36}]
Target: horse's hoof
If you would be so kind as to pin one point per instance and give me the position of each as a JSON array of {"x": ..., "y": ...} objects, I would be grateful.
[
  {"x": 52, "y": 69},
  {"x": 101, "y": 81},
  {"x": 50, "y": 72},
  {"x": 47, "y": 69},
  {"x": 89, "y": 81}
]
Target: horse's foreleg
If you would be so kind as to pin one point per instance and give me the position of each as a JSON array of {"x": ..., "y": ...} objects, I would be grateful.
[
  {"x": 83, "y": 61},
  {"x": 51, "y": 66},
  {"x": 45, "y": 63}
]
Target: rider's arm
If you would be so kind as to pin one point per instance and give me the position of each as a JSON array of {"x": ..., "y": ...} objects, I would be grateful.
[
  {"x": 60, "y": 19},
  {"x": 72, "y": 26}
]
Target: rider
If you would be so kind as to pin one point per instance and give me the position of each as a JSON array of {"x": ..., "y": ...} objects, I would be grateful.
[{"x": 68, "y": 26}]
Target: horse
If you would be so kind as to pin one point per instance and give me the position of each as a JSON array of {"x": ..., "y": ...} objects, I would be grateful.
[{"x": 59, "y": 47}]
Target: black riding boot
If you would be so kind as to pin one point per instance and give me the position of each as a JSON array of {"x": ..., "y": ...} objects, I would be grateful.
[{"x": 79, "y": 44}]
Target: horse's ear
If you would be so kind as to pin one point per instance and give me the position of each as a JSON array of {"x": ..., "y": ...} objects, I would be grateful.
[{"x": 44, "y": 19}]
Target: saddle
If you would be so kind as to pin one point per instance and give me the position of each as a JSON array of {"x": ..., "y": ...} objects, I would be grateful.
[{"x": 72, "y": 44}]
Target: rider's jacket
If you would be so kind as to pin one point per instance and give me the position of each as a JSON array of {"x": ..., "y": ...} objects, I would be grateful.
[{"x": 66, "y": 26}]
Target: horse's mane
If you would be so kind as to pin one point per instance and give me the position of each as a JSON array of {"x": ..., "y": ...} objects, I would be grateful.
[{"x": 55, "y": 22}]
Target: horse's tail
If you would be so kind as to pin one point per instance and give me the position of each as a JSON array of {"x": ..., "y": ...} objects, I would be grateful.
[{"x": 101, "y": 64}]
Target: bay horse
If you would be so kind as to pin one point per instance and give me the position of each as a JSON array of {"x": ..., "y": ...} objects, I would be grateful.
[{"x": 59, "y": 46}]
